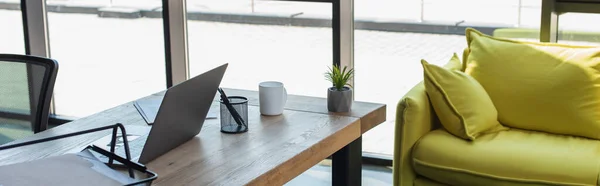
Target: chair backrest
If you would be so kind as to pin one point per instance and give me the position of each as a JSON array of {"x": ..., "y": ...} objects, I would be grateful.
[{"x": 26, "y": 86}]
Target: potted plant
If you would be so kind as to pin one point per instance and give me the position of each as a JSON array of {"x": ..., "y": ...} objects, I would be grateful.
[{"x": 339, "y": 97}]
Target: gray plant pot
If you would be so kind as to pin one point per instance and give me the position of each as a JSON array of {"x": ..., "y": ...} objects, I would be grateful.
[{"x": 339, "y": 101}]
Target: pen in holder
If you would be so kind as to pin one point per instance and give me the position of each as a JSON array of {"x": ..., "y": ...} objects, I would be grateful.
[{"x": 228, "y": 119}]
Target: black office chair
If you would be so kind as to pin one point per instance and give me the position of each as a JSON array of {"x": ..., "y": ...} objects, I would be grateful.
[{"x": 26, "y": 85}]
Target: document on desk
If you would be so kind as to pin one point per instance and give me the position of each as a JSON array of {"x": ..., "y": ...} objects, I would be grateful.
[
  {"x": 148, "y": 108},
  {"x": 69, "y": 169}
]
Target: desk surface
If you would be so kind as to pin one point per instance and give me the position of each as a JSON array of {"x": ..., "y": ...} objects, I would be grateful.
[{"x": 273, "y": 151}]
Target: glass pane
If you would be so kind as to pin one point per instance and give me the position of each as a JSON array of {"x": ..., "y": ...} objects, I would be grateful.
[
  {"x": 273, "y": 50},
  {"x": 105, "y": 62},
  {"x": 11, "y": 33},
  {"x": 388, "y": 65},
  {"x": 579, "y": 29}
]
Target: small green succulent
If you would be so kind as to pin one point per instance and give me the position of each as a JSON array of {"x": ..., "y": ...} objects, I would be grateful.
[{"x": 338, "y": 77}]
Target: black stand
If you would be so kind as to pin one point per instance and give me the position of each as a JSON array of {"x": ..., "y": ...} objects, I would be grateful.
[
  {"x": 347, "y": 164},
  {"x": 111, "y": 155}
]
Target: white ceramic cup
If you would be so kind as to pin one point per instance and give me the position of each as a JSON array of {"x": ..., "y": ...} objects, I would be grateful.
[{"x": 272, "y": 97}]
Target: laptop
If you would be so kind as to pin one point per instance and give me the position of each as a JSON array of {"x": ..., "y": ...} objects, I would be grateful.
[{"x": 180, "y": 117}]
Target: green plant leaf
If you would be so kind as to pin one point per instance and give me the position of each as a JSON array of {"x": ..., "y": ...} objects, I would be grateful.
[{"x": 339, "y": 77}]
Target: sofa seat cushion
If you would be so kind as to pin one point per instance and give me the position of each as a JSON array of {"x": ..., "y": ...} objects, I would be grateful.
[{"x": 512, "y": 157}]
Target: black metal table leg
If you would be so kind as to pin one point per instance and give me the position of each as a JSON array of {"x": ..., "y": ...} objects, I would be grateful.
[{"x": 347, "y": 164}]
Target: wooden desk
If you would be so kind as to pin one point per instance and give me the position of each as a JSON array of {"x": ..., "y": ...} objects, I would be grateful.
[{"x": 274, "y": 150}]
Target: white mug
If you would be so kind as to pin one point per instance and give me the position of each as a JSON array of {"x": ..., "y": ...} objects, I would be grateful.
[{"x": 272, "y": 97}]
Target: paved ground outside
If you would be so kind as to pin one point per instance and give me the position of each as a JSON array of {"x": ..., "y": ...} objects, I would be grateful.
[{"x": 89, "y": 48}]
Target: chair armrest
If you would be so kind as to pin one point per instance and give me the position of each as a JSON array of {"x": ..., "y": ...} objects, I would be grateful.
[{"x": 414, "y": 118}]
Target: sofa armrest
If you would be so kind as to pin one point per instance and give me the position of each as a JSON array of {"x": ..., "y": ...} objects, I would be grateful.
[{"x": 414, "y": 118}]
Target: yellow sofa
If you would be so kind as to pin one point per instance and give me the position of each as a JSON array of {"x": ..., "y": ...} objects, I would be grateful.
[
  {"x": 444, "y": 158},
  {"x": 426, "y": 154}
]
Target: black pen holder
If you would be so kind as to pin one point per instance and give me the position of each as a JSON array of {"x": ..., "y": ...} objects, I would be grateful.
[{"x": 228, "y": 123}]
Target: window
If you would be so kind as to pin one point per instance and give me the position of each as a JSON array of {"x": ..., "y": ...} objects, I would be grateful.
[
  {"x": 11, "y": 34},
  {"x": 104, "y": 61},
  {"x": 506, "y": 12},
  {"x": 275, "y": 49},
  {"x": 579, "y": 29}
]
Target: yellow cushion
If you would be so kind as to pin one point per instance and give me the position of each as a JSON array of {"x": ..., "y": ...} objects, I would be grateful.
[
  {"x": 465, "y": 55},
  {"x": 462, "y": 105},
  {"x": 454, "y": 63},
  {"x": 511, "y": 157},
  {"x": 539, "y": 86}
]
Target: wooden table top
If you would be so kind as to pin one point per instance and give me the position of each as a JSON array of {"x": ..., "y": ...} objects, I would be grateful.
[{"x": 274, "y": 150}]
